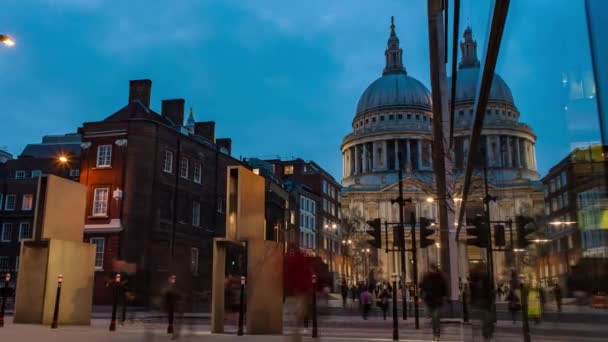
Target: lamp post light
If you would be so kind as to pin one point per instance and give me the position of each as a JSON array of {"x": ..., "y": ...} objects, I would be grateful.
[{"x": 7, "y": 40}]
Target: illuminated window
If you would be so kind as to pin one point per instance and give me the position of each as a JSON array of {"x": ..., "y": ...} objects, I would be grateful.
[
  {"x": 104, "y": 156},
  {"x": 100, "y": 202},
  {"x": 99, "y": 243},
  {"x": 26, "y": 202},
  {"x": 289, "y": 169}
]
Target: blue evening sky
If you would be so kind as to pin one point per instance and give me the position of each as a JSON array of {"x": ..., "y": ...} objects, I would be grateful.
[{"x": 278, "y": 77}]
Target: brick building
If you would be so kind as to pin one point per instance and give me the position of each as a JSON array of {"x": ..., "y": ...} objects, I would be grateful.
[
  {"x": 325, "y": 191},
  {"x": 18, "y": 190},
  {"x": 156, "y": 195},
  {"x": 574, "y": 191}
]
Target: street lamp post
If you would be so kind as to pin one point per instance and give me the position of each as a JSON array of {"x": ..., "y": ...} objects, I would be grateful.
[{"x": 395, "y": 318}]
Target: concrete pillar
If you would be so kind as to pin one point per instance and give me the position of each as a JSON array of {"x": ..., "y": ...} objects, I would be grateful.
[
  {"x": 509, "y": 154},
  {"x": 489, "y": 151},
  {"x": 364, "y": 158}
]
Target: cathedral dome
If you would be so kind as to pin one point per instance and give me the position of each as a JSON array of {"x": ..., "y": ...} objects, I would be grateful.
[
  {"x": 468, "y": 76},
  {"x": 394, "y": 90},
  {"x": 466, "y": 87}
]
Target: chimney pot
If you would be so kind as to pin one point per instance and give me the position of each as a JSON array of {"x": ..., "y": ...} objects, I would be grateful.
[
  {"x": 225, "y": 145},
  {"x": 173, "y": 110},
  {"x": 139, "y": 90}
]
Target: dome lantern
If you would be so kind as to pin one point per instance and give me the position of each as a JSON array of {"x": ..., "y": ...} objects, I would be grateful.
[{"x": 393, "y": 54}]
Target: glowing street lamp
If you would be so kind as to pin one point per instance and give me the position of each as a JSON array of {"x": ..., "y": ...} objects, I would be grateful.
[
  {"x": 6, "y": 40},
  {"x": 62, "y": 159},
  {"x": 430, "y": 199},
  {"x": 561, "y": 223}
]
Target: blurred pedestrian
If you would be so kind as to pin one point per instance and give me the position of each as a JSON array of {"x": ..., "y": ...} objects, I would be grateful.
[
  {"x": 353, "y": 293},
  {"x": 434, "y": 290},
  {"x": 534, "y": 304},
  {"x": 514, "y": 304},
  {"x": 383, "y": 300},
  {"x": 482, "y": 300},
  {"x": 344, "y": 292},
  {"x": 366, "y": 302},
  {"x": 557, "y": 293}
]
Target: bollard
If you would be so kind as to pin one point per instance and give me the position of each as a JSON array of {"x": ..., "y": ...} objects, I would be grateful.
[
  {"x": 524, "y": 312},
  {"x": 315, "y": 332},
  {"x": 57, "y": 298},
  {"x": 241, "y": 307},
  {"x": 7, "y": 280},
  {"x": 170, "y": 303},
  {"x": 465, "y": 308},
  {"x": 115, "y": 304},
  {"x": 395, "y": 318}
]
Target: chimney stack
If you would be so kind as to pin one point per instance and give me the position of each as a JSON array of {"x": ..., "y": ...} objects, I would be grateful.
[
  {"x": 173, "y": 110},
  {"x": 225, "y": 145},
  {"x": 205, "y": 130},
  {"x": 139, "y": 90}
]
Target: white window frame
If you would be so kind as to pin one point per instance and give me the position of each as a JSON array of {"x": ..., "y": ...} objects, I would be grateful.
[
  {"x": 21, "y": 224},
  {"x": 99, "y": 241},
  {"x": 197, "y": 173},
  {"x": 74, "y": 173},
  {"x": 36, "y": 173},
  {"x": 6, "y": 235},
  {"x": 194, "y": 256},
  {"x": 96, "y": 199},
  {"x": 168, "y": 162},
  {"x": 196, "y": 213},
  {"x": 6, "y": 201},
  {"x": 19, "y": 174},
  {"x": 23, "y": 202},
  {"x": 183, "y": 171},
  {"x": 104, "y": 156}
]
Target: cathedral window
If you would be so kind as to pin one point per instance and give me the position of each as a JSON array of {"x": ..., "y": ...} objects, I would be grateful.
[
  {"x": 381, "y": 117},
  {"x": 391, "y": 117},
  {"x": 417, "y": 117},
  {"x": 461, "y": 113},
  {"x": 400, "y": 116},
  {"x": 409, "y": 116},
  {"x": 374, "y": 119}
]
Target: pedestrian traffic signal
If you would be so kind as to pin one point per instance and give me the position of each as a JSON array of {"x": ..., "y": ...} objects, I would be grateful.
[
  {"x": 499, "y": 235},
  {"x": 425, "y": 232},
  {"x": 477, "y": 235},
  {"x": 525, "y": 226},
  {"x": 375, "y": 232}
]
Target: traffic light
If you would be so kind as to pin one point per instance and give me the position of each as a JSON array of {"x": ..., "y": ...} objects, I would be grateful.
[
  {"x": 525, "y": 226},
  {"x": 425, "y": 232},
  {"x": 375, "y": 232},
  {"x": 477, "y": 235},
  {"x": 499, "y": 235}
]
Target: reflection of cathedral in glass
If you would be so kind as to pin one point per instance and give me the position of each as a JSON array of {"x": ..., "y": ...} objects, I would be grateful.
[{"x": 394, "y": 118}]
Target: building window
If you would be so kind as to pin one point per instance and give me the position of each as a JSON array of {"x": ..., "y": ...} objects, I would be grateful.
[
  {"x": 292, "y": 217},
  {"x": 391, "y": 117},
  {"x": 104, "y": 156},
  {"x": 381, "y": 117},
  {"x": 399, "y": 116},
  {"x": 25, "y": 231},
  {"x": 74, "y": 172},
  {"x": 564, "y": 178},
  {"x": 288, "y": 169},
  {"x": 7, "y": 232},
  {"x": 100, "y": 202},
  {"x": 417, "y": 117},
  {"x": 461, "y": 113},
  {"x": 26, "y": 202},
  {"x": 196, "y": 214},
  {"x": 183, "y": 168},
  {"x": 99, "y": 248},
  {"x": 5, "y": 264},
  {"x": 196, "y": 174},
  {"x": 194, "y": 260},
  {"x": 19, "y": 174},
  {"x": 10, "y": 202},
  {"x": 36, "y": 173},
  {"x": 168, "y": 162}
]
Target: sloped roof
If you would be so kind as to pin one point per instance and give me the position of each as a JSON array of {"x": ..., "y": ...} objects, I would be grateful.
[
  {"x": 50, "y": 150},
  {"x": 136, "y": 110}
]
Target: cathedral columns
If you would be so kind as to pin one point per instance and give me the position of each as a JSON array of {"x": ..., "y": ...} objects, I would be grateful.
[
  {"x": 408, "y": 158},
  {"x": 509, "y": 153},
  {"x": 357, "y": 160},
  {"x": 397, "y": 155},
  {"x": 517, "y": 152},
  {"x": 534, "y": 155},
  {"x": 419, "y": 144},
  {"x": 385, "y": 154},
  {"x": 488, "y": 161},
  {"x": 364, "y": 158}
]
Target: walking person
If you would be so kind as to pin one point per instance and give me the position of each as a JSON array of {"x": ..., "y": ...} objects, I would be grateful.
[
  {"x": 481, "y": 300},
  {"x": 344, "y": 292},
  {"x": 434, "y": 290},
  {"x": 383, "y": 300},
  {"x": 353, "y": 294},
  {"x": 557, "y": 293},
  {"x": 366, "y": 302},
  {"x": 514, "y": 305}
]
